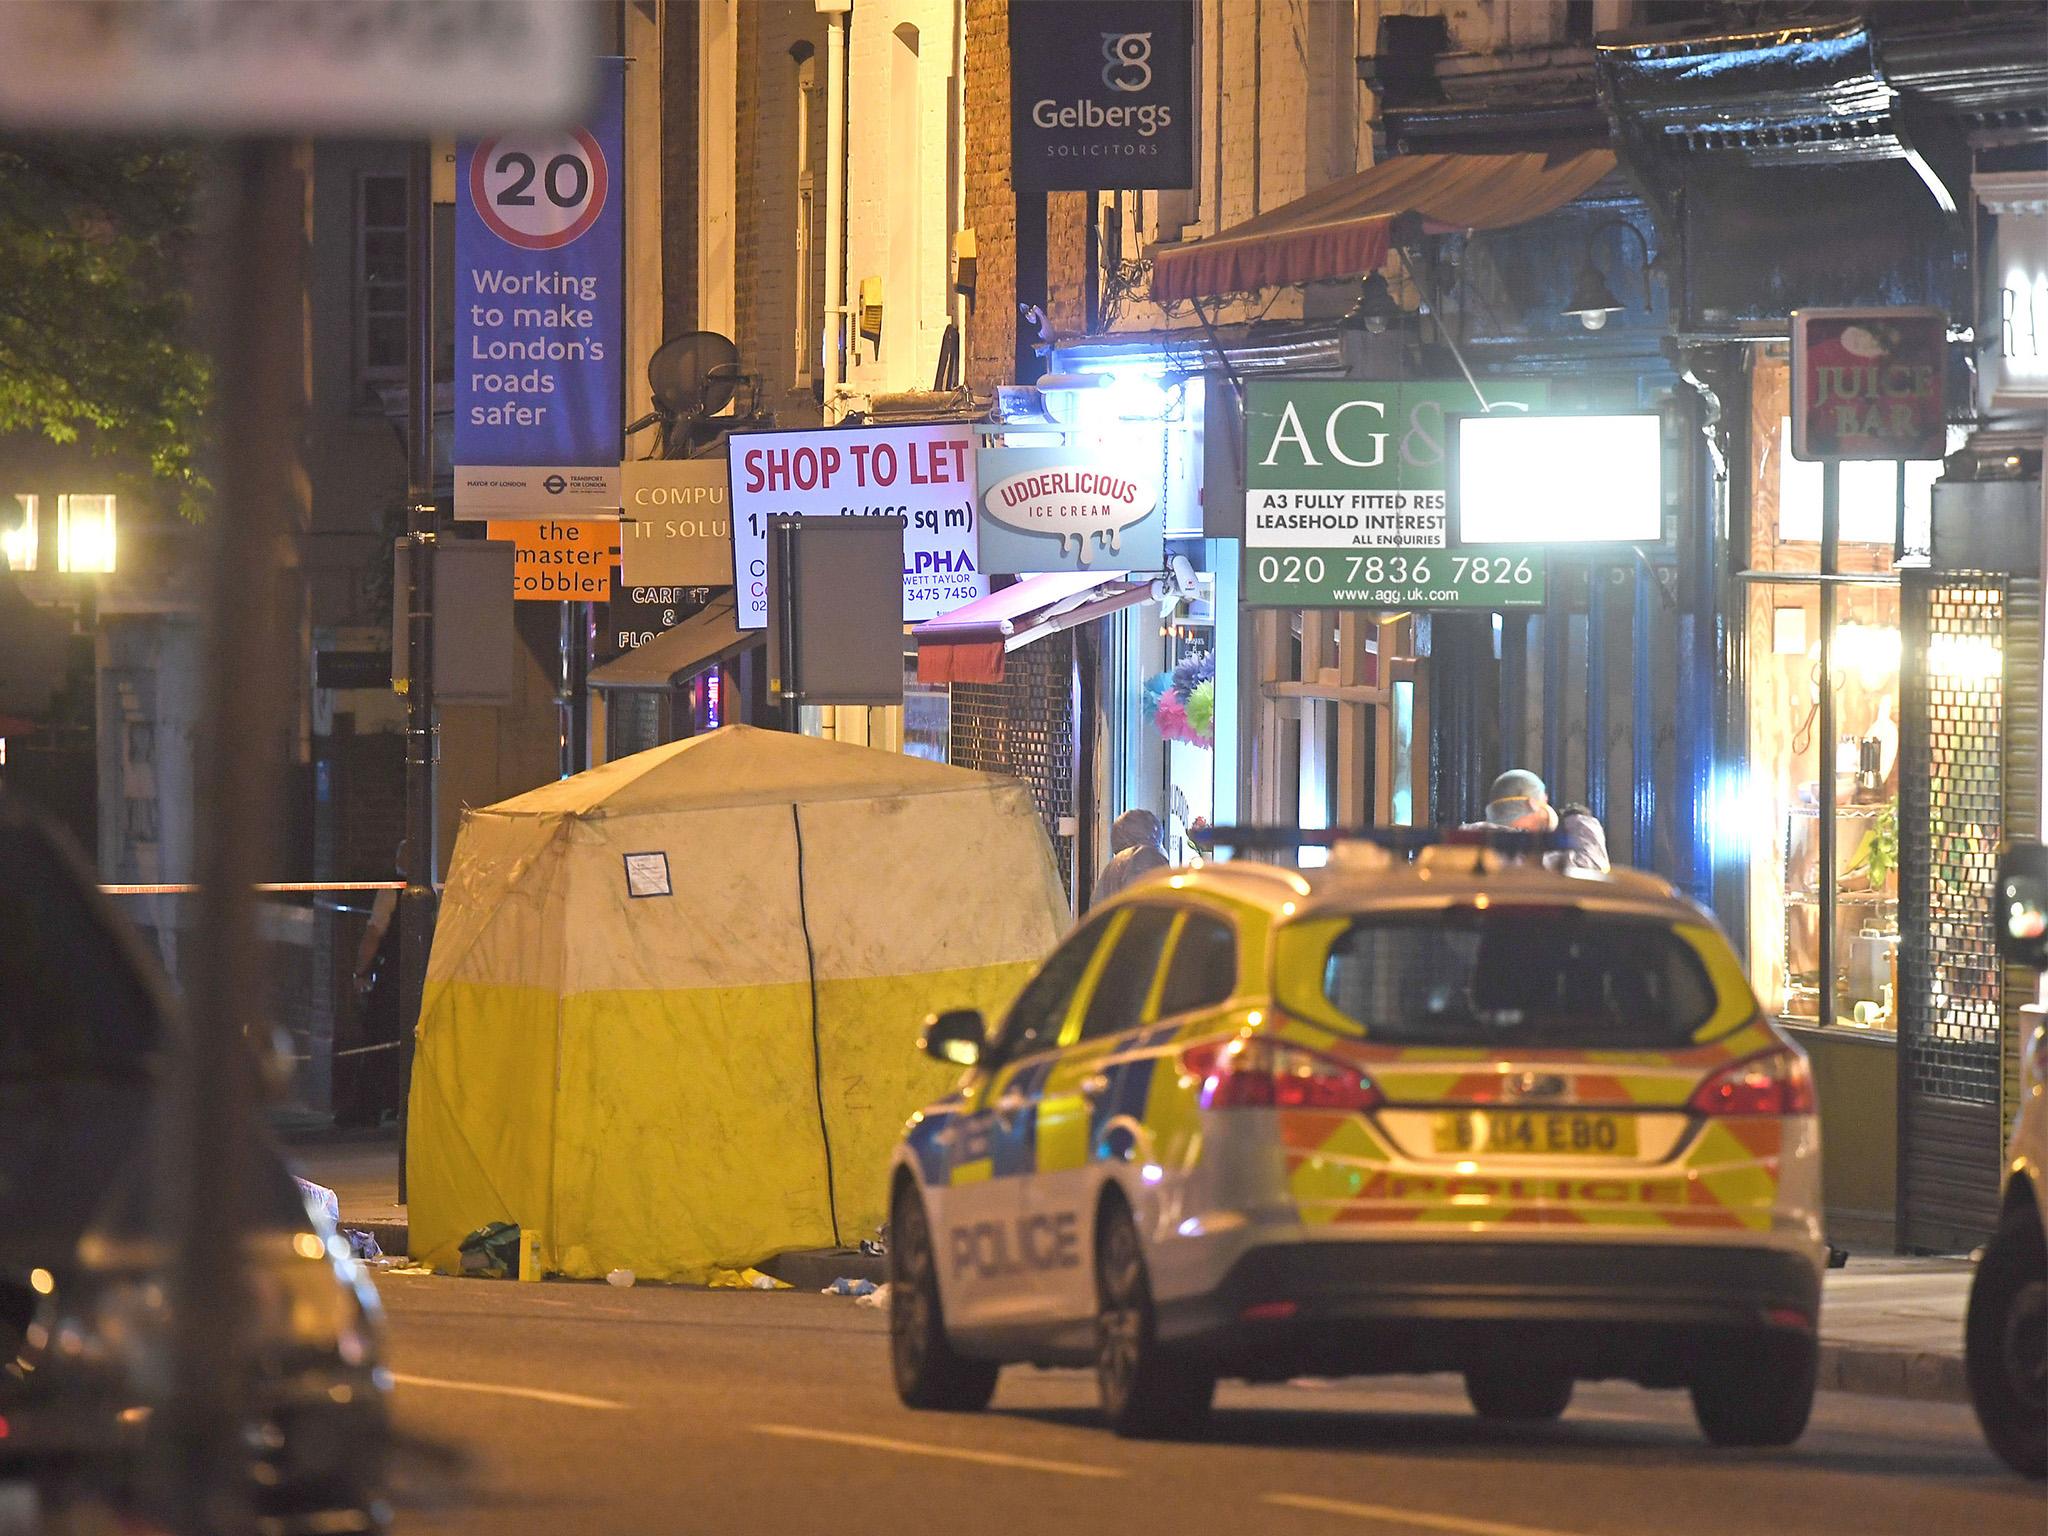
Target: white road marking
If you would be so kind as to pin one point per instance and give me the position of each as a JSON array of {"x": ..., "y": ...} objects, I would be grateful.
[
  {"x": 950, "y": 1452},
  {"x": 533, "y": 1394},
  {"x": 1418, "y": 1518}
]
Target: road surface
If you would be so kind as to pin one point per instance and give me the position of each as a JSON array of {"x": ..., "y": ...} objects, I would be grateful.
[{"x": 583, "y": 1408}]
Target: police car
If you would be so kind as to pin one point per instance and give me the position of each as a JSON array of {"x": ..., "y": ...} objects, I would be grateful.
[{"x": 1461, "y": 1114}]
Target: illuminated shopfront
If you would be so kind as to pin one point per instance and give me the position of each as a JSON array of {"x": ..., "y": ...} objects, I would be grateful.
[{"x": 1824, "y": 619}]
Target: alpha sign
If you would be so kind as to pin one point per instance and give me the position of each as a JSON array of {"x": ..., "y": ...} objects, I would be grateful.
[
  {"x": 1869, "y": 383},
  {"x": 1102, "y": 95},
  {"x": 1346, "y": 497},
  {"x": 923, "y": 474}
]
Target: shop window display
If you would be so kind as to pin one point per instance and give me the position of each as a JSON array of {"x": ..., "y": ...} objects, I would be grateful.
[{"x": 1806, "y": 636}]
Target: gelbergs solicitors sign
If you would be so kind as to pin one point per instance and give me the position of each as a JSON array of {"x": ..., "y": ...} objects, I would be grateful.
[{"x": 1101, "y": 95}]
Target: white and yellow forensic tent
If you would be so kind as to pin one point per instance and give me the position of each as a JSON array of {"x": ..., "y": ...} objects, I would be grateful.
[{"x": 672, "y": 1007}]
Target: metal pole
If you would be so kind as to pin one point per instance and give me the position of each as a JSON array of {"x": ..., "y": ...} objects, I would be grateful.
[
  {"x": 422, "y": 722},
  {"x": 1596, "y": 693},
  {"x": 255, "y": 272},
  {"x": 1824, "y": 747}
]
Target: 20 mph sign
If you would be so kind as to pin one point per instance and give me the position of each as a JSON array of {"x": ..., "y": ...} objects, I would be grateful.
[{"x": 539, "y": 192}]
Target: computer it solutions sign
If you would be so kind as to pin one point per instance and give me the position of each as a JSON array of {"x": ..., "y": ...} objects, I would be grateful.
[{"x": 1102, "y": 95}]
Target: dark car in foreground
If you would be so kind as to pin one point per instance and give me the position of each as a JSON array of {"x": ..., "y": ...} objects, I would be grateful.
[{"x": 86, "y": 1311}]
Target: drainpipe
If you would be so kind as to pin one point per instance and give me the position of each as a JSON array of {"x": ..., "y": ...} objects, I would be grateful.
[{"x": 833, "y": 331}]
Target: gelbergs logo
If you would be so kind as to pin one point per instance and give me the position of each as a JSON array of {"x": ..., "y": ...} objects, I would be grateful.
[{"x": 1130, "y": 60}]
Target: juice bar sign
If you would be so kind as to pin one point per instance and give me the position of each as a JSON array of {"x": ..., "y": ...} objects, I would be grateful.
[
  {"x": 1867, "y": 383},
  {"x": 1345, "y": 499},
  {"x": 1102, "y": 96}
]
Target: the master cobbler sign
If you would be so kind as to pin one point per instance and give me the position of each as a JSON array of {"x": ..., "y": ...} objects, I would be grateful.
[
  {"x": 1867, "y": 383},
  {"x": 1101, "y": 95}
]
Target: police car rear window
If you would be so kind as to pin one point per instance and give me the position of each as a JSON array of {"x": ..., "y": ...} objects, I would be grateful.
[{"x": 1506, "y": 977}]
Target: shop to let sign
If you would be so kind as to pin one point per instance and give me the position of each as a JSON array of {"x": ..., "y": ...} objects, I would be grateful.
[
  {"x": 923, "y": 474},
  {"x": 539, "y": 305},
  {"x": 1868, "y": 383},
  {"x": 1345, "y": 498},
  {"x": 565, "y": 561}
]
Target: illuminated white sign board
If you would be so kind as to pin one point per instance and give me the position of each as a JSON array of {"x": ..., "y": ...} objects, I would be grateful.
[
  {"x": 2014, "y": 335},
  {"x": 1548, "y": 480}
]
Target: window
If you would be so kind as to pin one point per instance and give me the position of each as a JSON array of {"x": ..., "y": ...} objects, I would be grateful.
[
  {"x": 1203, "y": 970},
  {"x": 901, "y": 298},
  {"x": 1823, "y": 943},
  {"x": 806, "y": 208},
  {"x": 1506, "y": 979},
  {"x": 85, "y": 534},
  {"x": 1118, "y": 1002},
  {"x": 1035, "y": 1018},
  {"x": 18, "y": 537},
  {"x": 380, "y": 281}
]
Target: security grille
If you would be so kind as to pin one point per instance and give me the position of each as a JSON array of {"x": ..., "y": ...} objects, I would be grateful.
[
  {"x": 2022, "y": 795},
  {"x": 1024, "y": 726},
  {"x": 1951, "y": 822}
]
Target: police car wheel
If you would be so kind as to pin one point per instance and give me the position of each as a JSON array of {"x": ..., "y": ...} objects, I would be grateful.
[
  {"x": 1526, "y": 1398},
  {"x": 2006, "y": 1345},
  {"x": 928, "y": 1373},
  {"x": 1146, "y": 1391},
  {"x": 1758, "y": 1395}
]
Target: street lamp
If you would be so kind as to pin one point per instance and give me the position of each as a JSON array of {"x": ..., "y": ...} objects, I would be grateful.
[
  {"x": 1375, "y": 308},
  {"x": 1592, "y": 300}
]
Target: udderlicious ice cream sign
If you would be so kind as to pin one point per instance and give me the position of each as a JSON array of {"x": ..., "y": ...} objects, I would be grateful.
[
  {"x": 1101, "y": 95},
  {"x": 1053, "y": 509}
]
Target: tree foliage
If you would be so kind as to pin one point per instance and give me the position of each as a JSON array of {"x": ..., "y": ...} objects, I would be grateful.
[{"x": 96, "y": 238}]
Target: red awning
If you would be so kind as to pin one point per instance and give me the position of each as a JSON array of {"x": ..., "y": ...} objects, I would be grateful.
[
  {"x": 968, "y": 645},
  {"x": 1341, "y": 230}
]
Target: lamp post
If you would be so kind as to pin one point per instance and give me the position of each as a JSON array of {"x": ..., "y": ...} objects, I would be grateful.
[{"x": 1592, "y": 301}]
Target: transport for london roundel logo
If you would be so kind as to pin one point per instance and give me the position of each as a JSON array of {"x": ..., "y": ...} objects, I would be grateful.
[{"x": 538, "y": 191}]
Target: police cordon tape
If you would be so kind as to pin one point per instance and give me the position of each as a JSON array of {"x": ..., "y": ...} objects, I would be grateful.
[{"x": 272, "y": 887}]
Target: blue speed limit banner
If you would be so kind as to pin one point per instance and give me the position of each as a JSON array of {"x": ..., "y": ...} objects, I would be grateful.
[{"x": 539, "y": 306}]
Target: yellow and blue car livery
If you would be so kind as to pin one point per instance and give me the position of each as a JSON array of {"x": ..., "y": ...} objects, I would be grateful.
[{"x": 1240, "y": 1062}]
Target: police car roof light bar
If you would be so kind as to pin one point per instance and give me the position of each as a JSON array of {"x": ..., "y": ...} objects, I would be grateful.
[{"x": 1407, "y": 841}]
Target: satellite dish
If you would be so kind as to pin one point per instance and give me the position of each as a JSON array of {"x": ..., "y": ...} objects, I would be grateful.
[{"x": 694, "y": 375}]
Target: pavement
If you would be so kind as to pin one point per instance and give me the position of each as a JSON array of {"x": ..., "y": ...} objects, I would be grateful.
[
  {"x": 1890, "y": 1327},
  {"x": 575, "y": 1408}
]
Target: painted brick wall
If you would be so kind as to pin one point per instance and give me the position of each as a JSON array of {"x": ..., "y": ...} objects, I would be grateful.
[{"x": 991, "y": 207}]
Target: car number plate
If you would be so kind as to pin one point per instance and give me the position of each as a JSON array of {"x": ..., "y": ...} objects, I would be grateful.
[{"x": 1537, "y": 1133}]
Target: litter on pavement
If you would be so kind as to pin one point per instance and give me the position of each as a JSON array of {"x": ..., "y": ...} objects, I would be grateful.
[
  {"x": 745, "y": 1280},
  {"x": 320, "y": 1197},
  {"x": 847, "y": 1286},
  {"x": 878, "y": 1297},
  {"x": 491, "y": 1252},
  {"x": 361, "y": 1244},
  {"x": 620, "y": 1277}
]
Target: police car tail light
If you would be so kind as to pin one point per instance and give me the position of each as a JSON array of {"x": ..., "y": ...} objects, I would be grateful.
[
  {"x": 1773, "y": 1082},
  {"x": 1256, "y": 1073}
]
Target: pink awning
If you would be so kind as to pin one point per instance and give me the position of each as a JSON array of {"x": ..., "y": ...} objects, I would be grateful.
[
  {"x": 968, "y": 645},
  {"x": 1341, "y": 230}
]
